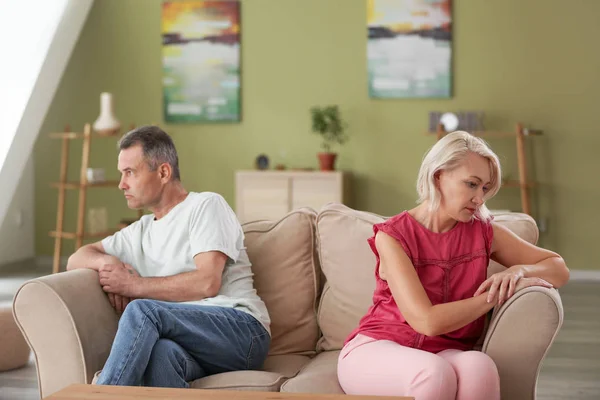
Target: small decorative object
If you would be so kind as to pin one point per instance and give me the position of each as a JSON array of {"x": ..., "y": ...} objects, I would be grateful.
[
  {"x": 95, "y": 175},
  {"x": 449, "y": 121},
  {"x": 470, "y": 121},
  {"x": 262, "y": 162},
  {"x": 434, "y": 120},
  {"x": 107, "y": 123},
  {"x": 280, "y": 167},
  {"x": 327, "y": 122}
]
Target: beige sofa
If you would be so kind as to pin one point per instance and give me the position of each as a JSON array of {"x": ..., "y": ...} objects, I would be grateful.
[{"x": 315, "y": 274}]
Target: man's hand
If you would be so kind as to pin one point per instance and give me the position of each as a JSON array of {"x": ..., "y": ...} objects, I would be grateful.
[
  {"x": 120, "y": 279},
  {"x": 118, "y": 302}
]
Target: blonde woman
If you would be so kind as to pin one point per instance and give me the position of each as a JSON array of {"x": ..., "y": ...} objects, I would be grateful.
[{"x": 432, "y": 294}]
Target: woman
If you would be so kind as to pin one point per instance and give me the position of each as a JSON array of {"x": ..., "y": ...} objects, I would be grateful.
[{"x": 431, "y": 292}]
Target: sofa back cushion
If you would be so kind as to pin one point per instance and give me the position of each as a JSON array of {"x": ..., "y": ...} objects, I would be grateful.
[
  {"x": 348, "y": 265},
  {"x": 287, "y": 278}
]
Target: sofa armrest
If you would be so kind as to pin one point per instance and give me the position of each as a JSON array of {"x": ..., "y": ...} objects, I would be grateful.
[
  {"x": 519, "y": 337},
  {"x": 69, "y": 324}
]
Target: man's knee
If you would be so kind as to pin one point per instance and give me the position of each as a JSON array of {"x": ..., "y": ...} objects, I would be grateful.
[{"x": 140, "y": 306}]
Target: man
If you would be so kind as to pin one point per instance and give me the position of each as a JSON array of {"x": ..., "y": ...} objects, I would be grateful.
[{"x": 180, "y": 276}]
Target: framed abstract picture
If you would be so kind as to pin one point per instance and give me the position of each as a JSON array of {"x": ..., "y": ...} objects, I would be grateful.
[
  {"x": 409, "y": 48},
  {"x": 201, "y": 61}
]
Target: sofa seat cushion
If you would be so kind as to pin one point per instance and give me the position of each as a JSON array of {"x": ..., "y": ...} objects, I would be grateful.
[
  {"x": 287, "y": 278},
  {"x": 276, "y": 370},
  {"x": 318, "y": 376}
]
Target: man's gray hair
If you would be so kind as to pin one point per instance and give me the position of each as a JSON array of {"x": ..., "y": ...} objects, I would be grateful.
[{"x": 157, "y": 146}]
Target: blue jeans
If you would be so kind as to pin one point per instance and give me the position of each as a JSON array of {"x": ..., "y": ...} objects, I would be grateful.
[{"x": 165, "y": 344}]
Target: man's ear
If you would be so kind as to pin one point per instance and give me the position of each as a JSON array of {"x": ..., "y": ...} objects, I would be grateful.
[{"x": 165, "y": 172}]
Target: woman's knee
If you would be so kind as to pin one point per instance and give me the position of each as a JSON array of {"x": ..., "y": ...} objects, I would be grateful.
[
  {"x": 477, "y": 376},
  {"x": 476, "y": 364},
  {"x": 436, "y": 380},
  {"x": 428, "y": 378}
]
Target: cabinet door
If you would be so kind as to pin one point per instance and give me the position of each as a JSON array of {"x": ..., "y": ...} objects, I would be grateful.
[
  {"x": 261, "y": 197},
  {"x": 315, "y": 191}
]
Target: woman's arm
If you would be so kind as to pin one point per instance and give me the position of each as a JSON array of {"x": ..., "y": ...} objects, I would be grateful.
[
  {"x": 523, "y": 260},
  {"x": 412, "y": 300}
]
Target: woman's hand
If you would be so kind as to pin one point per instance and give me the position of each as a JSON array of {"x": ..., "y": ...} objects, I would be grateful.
[{"x": 506, "y": 283}]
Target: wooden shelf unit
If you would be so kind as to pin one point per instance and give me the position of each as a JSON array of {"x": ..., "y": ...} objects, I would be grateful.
[
  {"x": 62, "y": 185},
  {"x": 519, "y": 134}
]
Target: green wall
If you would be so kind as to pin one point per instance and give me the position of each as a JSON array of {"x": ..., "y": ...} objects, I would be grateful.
[{"x": 534, "y": 61}]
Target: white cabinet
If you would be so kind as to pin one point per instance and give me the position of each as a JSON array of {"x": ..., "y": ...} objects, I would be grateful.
[{"x": 272, "y": 194}]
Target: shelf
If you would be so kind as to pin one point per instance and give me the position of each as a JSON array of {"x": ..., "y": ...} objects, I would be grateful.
[
  {"x": 526, "y": 132},
  {"x": 77, "y": 185},
  {"x": 72, "y": 235}
]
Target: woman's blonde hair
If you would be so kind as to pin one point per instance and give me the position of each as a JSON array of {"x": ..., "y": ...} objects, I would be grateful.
[{"x": 446, "y": 155}]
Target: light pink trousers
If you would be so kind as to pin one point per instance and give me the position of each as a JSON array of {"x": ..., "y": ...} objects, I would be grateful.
[{"x": 368, "y": 366}]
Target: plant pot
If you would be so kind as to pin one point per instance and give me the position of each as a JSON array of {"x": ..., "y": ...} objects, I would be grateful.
[{"x": 327, "y": 161}]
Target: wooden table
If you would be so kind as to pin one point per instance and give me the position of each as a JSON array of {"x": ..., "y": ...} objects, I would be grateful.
[{"x": 100, "y": 392}]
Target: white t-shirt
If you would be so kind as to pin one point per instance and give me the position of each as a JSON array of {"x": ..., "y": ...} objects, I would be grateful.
[{"x": 165, "y": 247}]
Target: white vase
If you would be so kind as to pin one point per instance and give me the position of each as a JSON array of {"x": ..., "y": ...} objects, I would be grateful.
[{"x": 106, "y": 122}]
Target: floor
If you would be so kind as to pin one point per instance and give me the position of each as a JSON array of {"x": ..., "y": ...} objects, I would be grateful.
[{"x": 570, "y": 371}]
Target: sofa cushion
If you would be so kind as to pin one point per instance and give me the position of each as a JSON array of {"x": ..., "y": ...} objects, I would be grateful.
[
  {"x": 348, "y": 265},
  {"x": 287, "y": 278},
  {"x": 276, "y": 370},
  {"x": 318, "y": 376},
  {"x": 13, "y": 347}
]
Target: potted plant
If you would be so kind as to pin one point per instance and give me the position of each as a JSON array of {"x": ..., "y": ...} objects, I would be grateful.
[{"x": 327, "y": 122}]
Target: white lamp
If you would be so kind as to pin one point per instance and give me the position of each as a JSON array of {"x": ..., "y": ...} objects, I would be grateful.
[{"x": 107, "y": 123}]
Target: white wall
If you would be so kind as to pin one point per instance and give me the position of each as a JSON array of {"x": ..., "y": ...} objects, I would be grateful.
[
  {"x": 28, "y": 87},
  {"x": 17, "y": 228}
]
